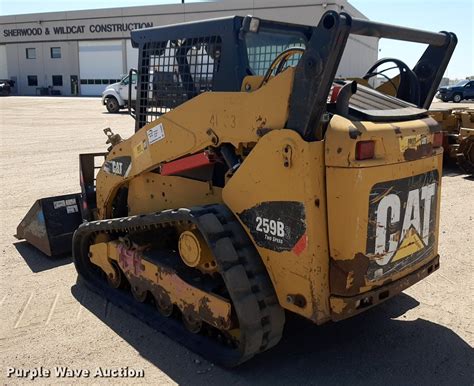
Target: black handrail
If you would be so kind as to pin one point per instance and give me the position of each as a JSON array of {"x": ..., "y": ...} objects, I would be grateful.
[
  {"x": 130, "y": 85},
  {"x": 388, "y": 31}
]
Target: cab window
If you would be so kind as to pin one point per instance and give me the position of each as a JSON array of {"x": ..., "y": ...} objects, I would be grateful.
[{"x": 125, "y": 80}]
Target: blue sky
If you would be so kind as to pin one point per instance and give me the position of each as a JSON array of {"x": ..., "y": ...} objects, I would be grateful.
[
  {"x": 433, "y": 15},
  {"x": 436, "y": 15}
]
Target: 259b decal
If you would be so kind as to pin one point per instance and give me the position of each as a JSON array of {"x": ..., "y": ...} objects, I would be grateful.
[
  {"x": 276, "y": 225},
  {"x": 270, "y": 227},
  {"x": 402, "y": 221}
]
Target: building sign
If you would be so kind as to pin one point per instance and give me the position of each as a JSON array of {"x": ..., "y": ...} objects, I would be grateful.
[{"x": 75, "y": 29}]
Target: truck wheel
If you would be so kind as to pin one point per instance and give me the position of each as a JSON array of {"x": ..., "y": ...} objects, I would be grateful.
[
  {"x": 457, "y": 98},
  {"x": 112, "y": 105}
]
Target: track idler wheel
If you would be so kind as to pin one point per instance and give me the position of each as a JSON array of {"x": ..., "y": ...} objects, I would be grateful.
[
  {"x": 192, "y": 323},
  {"x": 164, "y": 307},
  {"x": 195, "y": 252},
  {"x": 116, "y": 280},
  {"x": 139, "y": 294}
]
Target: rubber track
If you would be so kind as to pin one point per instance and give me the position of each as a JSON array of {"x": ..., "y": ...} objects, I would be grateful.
[{"x": 260, "y": 316}]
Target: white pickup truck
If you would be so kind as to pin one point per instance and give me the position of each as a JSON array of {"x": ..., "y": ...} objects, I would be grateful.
[{"x": 115, "y": 96}]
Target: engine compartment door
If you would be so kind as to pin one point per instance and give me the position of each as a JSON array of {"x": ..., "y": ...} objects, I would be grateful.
[{"x": 382, "y": 212}]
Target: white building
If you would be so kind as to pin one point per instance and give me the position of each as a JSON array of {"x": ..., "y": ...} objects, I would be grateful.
[{"x": 80, "y": 52}]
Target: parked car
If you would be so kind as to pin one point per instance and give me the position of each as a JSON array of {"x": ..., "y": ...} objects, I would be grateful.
[
  {"x": 6, "y": 86},
  {"x": 460, "y": 91},
  {"x": 115, "y": 96}
]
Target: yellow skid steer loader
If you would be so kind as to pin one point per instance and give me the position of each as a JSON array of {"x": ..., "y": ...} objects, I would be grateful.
[{"x": 257, "y": 183}]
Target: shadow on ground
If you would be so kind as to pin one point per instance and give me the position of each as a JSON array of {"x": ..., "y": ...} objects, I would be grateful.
[
  {"x": 451, "y": 169},
  {"x": 37, "y": 261},
  {"x": 371, "y": 348},
  {"x": 120, "y": 112}
]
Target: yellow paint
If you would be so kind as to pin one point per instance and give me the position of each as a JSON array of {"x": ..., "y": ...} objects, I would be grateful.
[
  {"x": 152, "y": 192},
  {"x": 337, "y": 305}
]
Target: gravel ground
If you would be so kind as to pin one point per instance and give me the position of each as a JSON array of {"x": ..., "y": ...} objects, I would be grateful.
[{"x": 423, "y": 336}]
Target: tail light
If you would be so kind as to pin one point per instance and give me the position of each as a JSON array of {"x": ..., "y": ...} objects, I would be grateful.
[
  {"x": 438, "y": 139},
  {"x": 365, "y": 150}
]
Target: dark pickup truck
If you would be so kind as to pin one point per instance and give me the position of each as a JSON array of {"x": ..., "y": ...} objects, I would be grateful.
[
  {"x": 458, "y": 92},
  {"x": 6, "y": 86}
]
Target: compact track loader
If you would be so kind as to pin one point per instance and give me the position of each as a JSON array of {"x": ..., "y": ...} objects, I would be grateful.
[{"x": 257, "y": 182}]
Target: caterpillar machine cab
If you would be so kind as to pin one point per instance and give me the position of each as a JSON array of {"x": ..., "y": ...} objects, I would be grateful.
[{"x": 258, "y": 183}]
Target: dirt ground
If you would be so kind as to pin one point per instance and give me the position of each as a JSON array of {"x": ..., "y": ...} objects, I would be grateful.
[{"x": 423, "y": 336}]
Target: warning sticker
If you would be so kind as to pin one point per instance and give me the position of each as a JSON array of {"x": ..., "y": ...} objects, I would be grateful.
[
  {"x": 72, "y": 209},
  {"x": 140, "y": 148},
  {"x": 71, "y": 201},
  {"x": 412, "y": 141},
  {"x": 59, "y": 204},
  {"x": 155, "y": 134}
]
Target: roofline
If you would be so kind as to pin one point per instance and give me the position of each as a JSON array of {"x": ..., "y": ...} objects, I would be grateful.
[{"x": 166, "y": 9}]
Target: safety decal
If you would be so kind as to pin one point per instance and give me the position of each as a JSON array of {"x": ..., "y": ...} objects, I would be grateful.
[
  {"x": 140, "y": 148},
  {"x": 72, "y": 209},
  {"x": 59, "y": 204},
  {"x": 155, "y": 134},
  {"x": 402, "y": 222},
  {"x": 277, "y": 225},
  {"x": 119, "y": 166},
  {"x": 412, "y": 142}
]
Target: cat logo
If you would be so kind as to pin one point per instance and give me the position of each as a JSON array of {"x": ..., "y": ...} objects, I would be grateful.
[
  {"x": 119, "y": 166},
  {"x": 402, "y": 218}
]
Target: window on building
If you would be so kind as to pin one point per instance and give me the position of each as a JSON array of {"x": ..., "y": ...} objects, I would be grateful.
[
  {"x": 56, "y": 52},
  {"x": 57, "y": 80},
  {"x": 32, "y": 80},
  {"x": 31, "y": 53}
]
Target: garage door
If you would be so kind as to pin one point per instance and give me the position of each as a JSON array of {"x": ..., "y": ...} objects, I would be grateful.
[
  {"x": 132, "y": 56},
  {"x": 100, "y": 63},
  {"x": 3, "y": 62}
]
